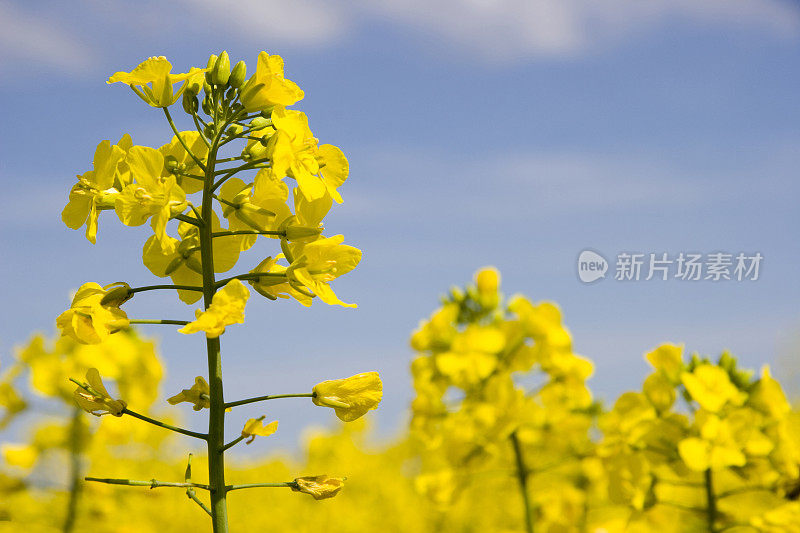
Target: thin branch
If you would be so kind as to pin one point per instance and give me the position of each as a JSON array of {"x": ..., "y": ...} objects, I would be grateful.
[
  {"x": 188, "y": 220},
  {"x": 289, "y": 484},
  {"x": 232, "y": 443},
  {"x": 167, "y": 286},
  {"x": 248, "y": 232},
  {"x": 183, "y": 143},
  {"x": 272, "y": 397},
  {"x": 190, "y": 493},
  {"x": 165, "y": 321},
  {"x": 194, "y": 434},
  {"x": 153, "y": 483}
]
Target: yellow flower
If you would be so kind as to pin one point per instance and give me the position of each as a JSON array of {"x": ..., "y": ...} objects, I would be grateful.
[
  {"x": 267, "y": 87},
  {"x": 20, "y": 455},
  {"x": 197, "y": 395},
  {"x": 184, "y": 162},
  {"x": 487, "y": 280},
  {"x": 245, "y": 211},
  {"x": 93, "y": 397},
  {"x": 156, "y": 72},
  {"x": 96, "y": 189},
  {"x": 253, "y": 428},
  {"x": 227, "y": 307},
  {"x": 350, "y": 397},
  {"x": 711, "y": 387},
  {"x": 150, "y": 195},
  {"x": 318, "y": 262},
  {"x": 92, "y": 317},
  {"x": 320, "y": 487},
  {"x": 667, "y": 358}
]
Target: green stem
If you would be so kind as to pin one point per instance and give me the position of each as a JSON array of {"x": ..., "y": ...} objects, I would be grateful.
[
  {"x": 710, "y": 500},
  {"x": 272, "y": 397},
  {"x": 75, "y": 470},
  {"x": 192, "y": 496},
  {"x": 256, "y": 485},
  {"x": 248, "y": 232},
  {"x": 522, "y": 476},
  {"x": 183, "y": 143},
  {"x": 155, "y": 422},
  {"x": 188, "y": 220},
  {"x": 153, "y": 483},
  {"x": 216, "y": 418},
  {"x": 175, "y": 322},
  {"x": 233, "y": 443},
  {"x": 134, "y": 290}
]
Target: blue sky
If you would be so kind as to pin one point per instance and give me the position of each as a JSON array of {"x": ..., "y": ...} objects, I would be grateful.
[{"x": 506, "y": 133}]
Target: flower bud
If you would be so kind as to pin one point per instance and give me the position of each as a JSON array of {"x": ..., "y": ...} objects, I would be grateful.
[
  {"x": 116, "y": 294},
  {"x": 238, "y": 74},
  {"x": 170, "y": 163},
  {"x": 206, "y": 105},
  {"x": 235, "y": 129},
  {"x": 296, "y": 233},
  {"x": 260, "y": 123},
  {"x": 212, "y": 61},
  {"x": 189, "y": 102},
  {"x": 222, "y": 69}
]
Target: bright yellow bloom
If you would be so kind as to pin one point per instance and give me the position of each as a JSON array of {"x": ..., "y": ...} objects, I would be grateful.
[
  {"x": 92, "y": 317},
  {"x": 351, "y": 397},
  {"x": 267, "y": 87},
  {"x": 184, "y": 162},
  {"x": 667, "y": 358},
  {"x": 293, "y": 150},
  {"x": 151, "y": 195},
  {"x": 20, "y": 455},
  {"x": 277, "y": 286},
  {"x": 96, "y": 189},
  {"x": 321, "y": 261},
  {"x": 711, "y": 387},
  {"x": 320, "y": 487},
  {"x": 227, "y": 307},
  {"x": 93, "y": 397},
  {"x": 253, "y": 428},
  {"x": 245, "y": 211},
  {"x": 156, "y": 72},
  {"x": 487, "y": 280},
  {"x": 197, "y": 395}
]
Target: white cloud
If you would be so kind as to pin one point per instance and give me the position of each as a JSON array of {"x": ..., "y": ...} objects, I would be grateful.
[
  {"x": 28, "y": 36},
  {"x": 509, "y": 30},
  {"x": 299, "y": 22}
]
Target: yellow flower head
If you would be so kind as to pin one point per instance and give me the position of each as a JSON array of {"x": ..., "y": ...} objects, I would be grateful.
[
  {"x": 94, "y": 313},
  {"x": 318, "y": 262},
  {"x": 93, "y": 397},
  {"x": 197, "y": 395},
  {"x": 227, "y": 307},
  {"x": 267, "y": 87},
  {"x": 155, "y": 71},
  {"x": 487, "y": 280},
  {"x": 350, "y": 397},
  {"x": 320, "y": 487},
  {"x": 711, "y": 387},
  {"x": 253, "y": 428}
]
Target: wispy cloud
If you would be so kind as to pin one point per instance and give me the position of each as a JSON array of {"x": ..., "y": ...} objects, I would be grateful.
[
  {"x": 511, "y": 30},
  {"x": 27, "y": 36}
]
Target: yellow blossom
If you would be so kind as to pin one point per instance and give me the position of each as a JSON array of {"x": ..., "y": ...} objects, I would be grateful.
[
  {"x": 318, "y": 262},
  {"x": 150, "y": 195},
  {"x": 91, "y": 318},
  {"x": 711, "y": 387},
  {"x": 93, "y": 397},
  {"x": 267, "y": 87},
  {"x": 96, "y": 189},
  {"x": 320, "y": 487},
  {"x": 156, "y": 71},
  {"x": 253, "y": 428},
  {"x": 197, "y": 395},
  {"x": 227, "y": 307},
  {"x": 350, "y": 397},
  {"x": 20, "y": 455},
  {"x": 184, "y": 163}
]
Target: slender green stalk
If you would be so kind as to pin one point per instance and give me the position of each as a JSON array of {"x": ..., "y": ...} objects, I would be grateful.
[
  {"x": 180, "y": 139},
  {"x": 192, "y": 496},
  {"x": 182, "y": 431},
  {"x": 188, "y": 220},
  {"x": 216, "y": 418},
  {"x": 249, "y": 232},
  {"x": 289, "y": 484},
  {"x": 75, "y": 470},
  {"x": 153, "y": 483},
  {"x": 165, "y": 321},
  {"x": 272, "y": 397},
  {"x": 134, "y": 290},
  {"x": 233, "y": 443},
  {"x": 711, "y": 500},
  {"x": 522, "y": 476}
]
